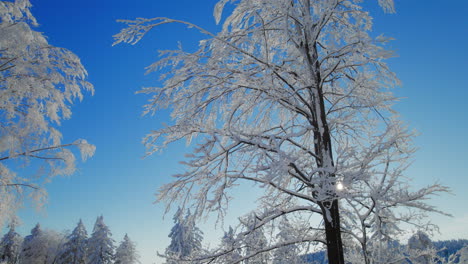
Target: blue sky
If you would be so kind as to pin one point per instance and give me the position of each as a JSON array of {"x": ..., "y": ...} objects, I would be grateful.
[{"x": 431, "y": 38}]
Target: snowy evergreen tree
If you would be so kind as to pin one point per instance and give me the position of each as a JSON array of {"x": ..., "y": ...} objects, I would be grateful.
[
  {"x": 41, "y": 246},
  {"x": 419, "y": 241},
  {"x": 38, "y": 83},
  {"x": 186, "y": 238},
  {"x": 74, "y": 249},
  {"x": 447, "y": 248},
  {"x": 54, "y": 241},
  {"x": 100, "y": 244},
  {"x": 463, "y": 255},
  {"x": 10, "y": 246},
  {"x": 382, "y": 251},
  {"x": 421, "y": 250},
  {"x": 34, "y": 249},
  {"x": 287, "y": 254},
  {"x": 253, "y": 240},
  {"x": 295, "y": 96},
  {"x": 126, "y": 253},
  {"x": 230, "y": 251}
]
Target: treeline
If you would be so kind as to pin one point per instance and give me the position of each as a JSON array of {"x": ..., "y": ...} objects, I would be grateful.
[
  {"x": 51, "y": 247},
  {"x": 427, "y": 251},
  {"x": 447, "y": 248},
  {"x": 269, "y": 244}
]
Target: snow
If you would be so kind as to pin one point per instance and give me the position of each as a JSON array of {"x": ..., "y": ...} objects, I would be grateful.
[
  {"x": 294, "y": 96},
  {"x": 39, "y": 82}
]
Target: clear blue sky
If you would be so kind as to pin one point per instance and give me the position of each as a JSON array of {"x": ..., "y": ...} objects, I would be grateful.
[{"x": 431, "y": 39}]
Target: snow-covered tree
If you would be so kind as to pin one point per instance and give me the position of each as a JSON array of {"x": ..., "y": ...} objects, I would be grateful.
[
  {"x": 287, "y": 253},
  {"x": 54, "y": 241},
  {"x": 38, "y": 83},
  {"x": 463, "y": 255},
  {"x": 447, "y": 248},
  {"x": 228, "y": 248},
  {"x": 293, "y": 95},
  {"x": 10, "y": 245},
  {"x": 421, "y": 250},
  {"x": 41, "y": 246},
  {"x": 253, "y": 241},
  {"x": 186, "y": 239},
  {"x": 74, "y": 249},
  {"x": 126, "y": 253},
  {"x": 100, "y": 244},
  {"x": 381, "y": 251},
  {"x": 33, "y": 249}
]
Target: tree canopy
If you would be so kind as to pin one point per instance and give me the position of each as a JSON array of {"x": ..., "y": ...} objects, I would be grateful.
[
  {"x": 295, "y": 96},
  {"x": 38, "y": 84}
]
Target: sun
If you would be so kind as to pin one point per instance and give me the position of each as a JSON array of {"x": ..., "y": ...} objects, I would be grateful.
[{"x": 339, "y": 186}]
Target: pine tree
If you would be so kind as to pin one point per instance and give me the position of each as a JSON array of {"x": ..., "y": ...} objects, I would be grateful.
[
  {"x": 100, "y": 244},
  {"x": 10, "y": 246},
  {"x": 34, "y": 248},
  {"x": 186, "y": 238},
  {"x": 228, "y": 244},
  {"x": 463, "y": 255},
  {"x": 74, "y": 249},
  {"x": 254, "y": 240},
  {"x": 126, "y": 252},
  {"x": 420, "y": 248},
  {"x": 288, "y": 253},
  {"x": 41, "y": 247}
]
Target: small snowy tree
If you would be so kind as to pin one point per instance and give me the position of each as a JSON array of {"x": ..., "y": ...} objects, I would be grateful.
[
  {"x": 74, "y": 249},
  {"x": 41, "y": 246},
  {"x": 381, "y": 251},
  {"x": 38, "y": 83},
  {"x": 230, "y": 252},
  {"x": 126, "y": 253},
  {"x": 421, "y": 250},
  {"x": 54, "y": 241},
  {"x": 10, "y": 245},
  {"x": 34, "y": 249},
  {"x": 289, "y": 253},
  {"x": 463, "y": 255},
  {"x": 253, "y": 241},
  {"x": 100, "y": 244},
  {"x": 295, "y": 96},
  {"x": 186, "y": 239}
]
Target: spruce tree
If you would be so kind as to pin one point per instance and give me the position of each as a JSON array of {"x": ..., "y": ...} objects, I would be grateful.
[
  {"x": 287, "y": 253},
  {"x": 74, "y": 249},
  {"x": 186, "y": 238},
  {"x": 228, "y": 244},
  {"x": 34, "y": 248},
  {"x": 10, "y": 246},
  {"x": 126, "y": 252},
  {"x": 100, "y": 244},
  {"x": 254, "y": 240}
]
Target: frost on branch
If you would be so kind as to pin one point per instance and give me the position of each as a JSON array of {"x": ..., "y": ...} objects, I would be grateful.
[
  {"x": 294, "y": 96},
  {"x": 38, "y": 84}
]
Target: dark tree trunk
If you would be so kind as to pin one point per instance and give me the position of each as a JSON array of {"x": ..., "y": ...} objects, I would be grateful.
[
  {"x": 333, "y": 233},
  {"x": 324, "y": 151},
  {"x": 329, "y": 207}
]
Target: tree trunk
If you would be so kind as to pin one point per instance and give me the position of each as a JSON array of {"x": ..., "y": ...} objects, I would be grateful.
[
  {"x": 330, "y": 208},
  {"x": 323, "y": 149},
  {"x": 333, "y": 233}
]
